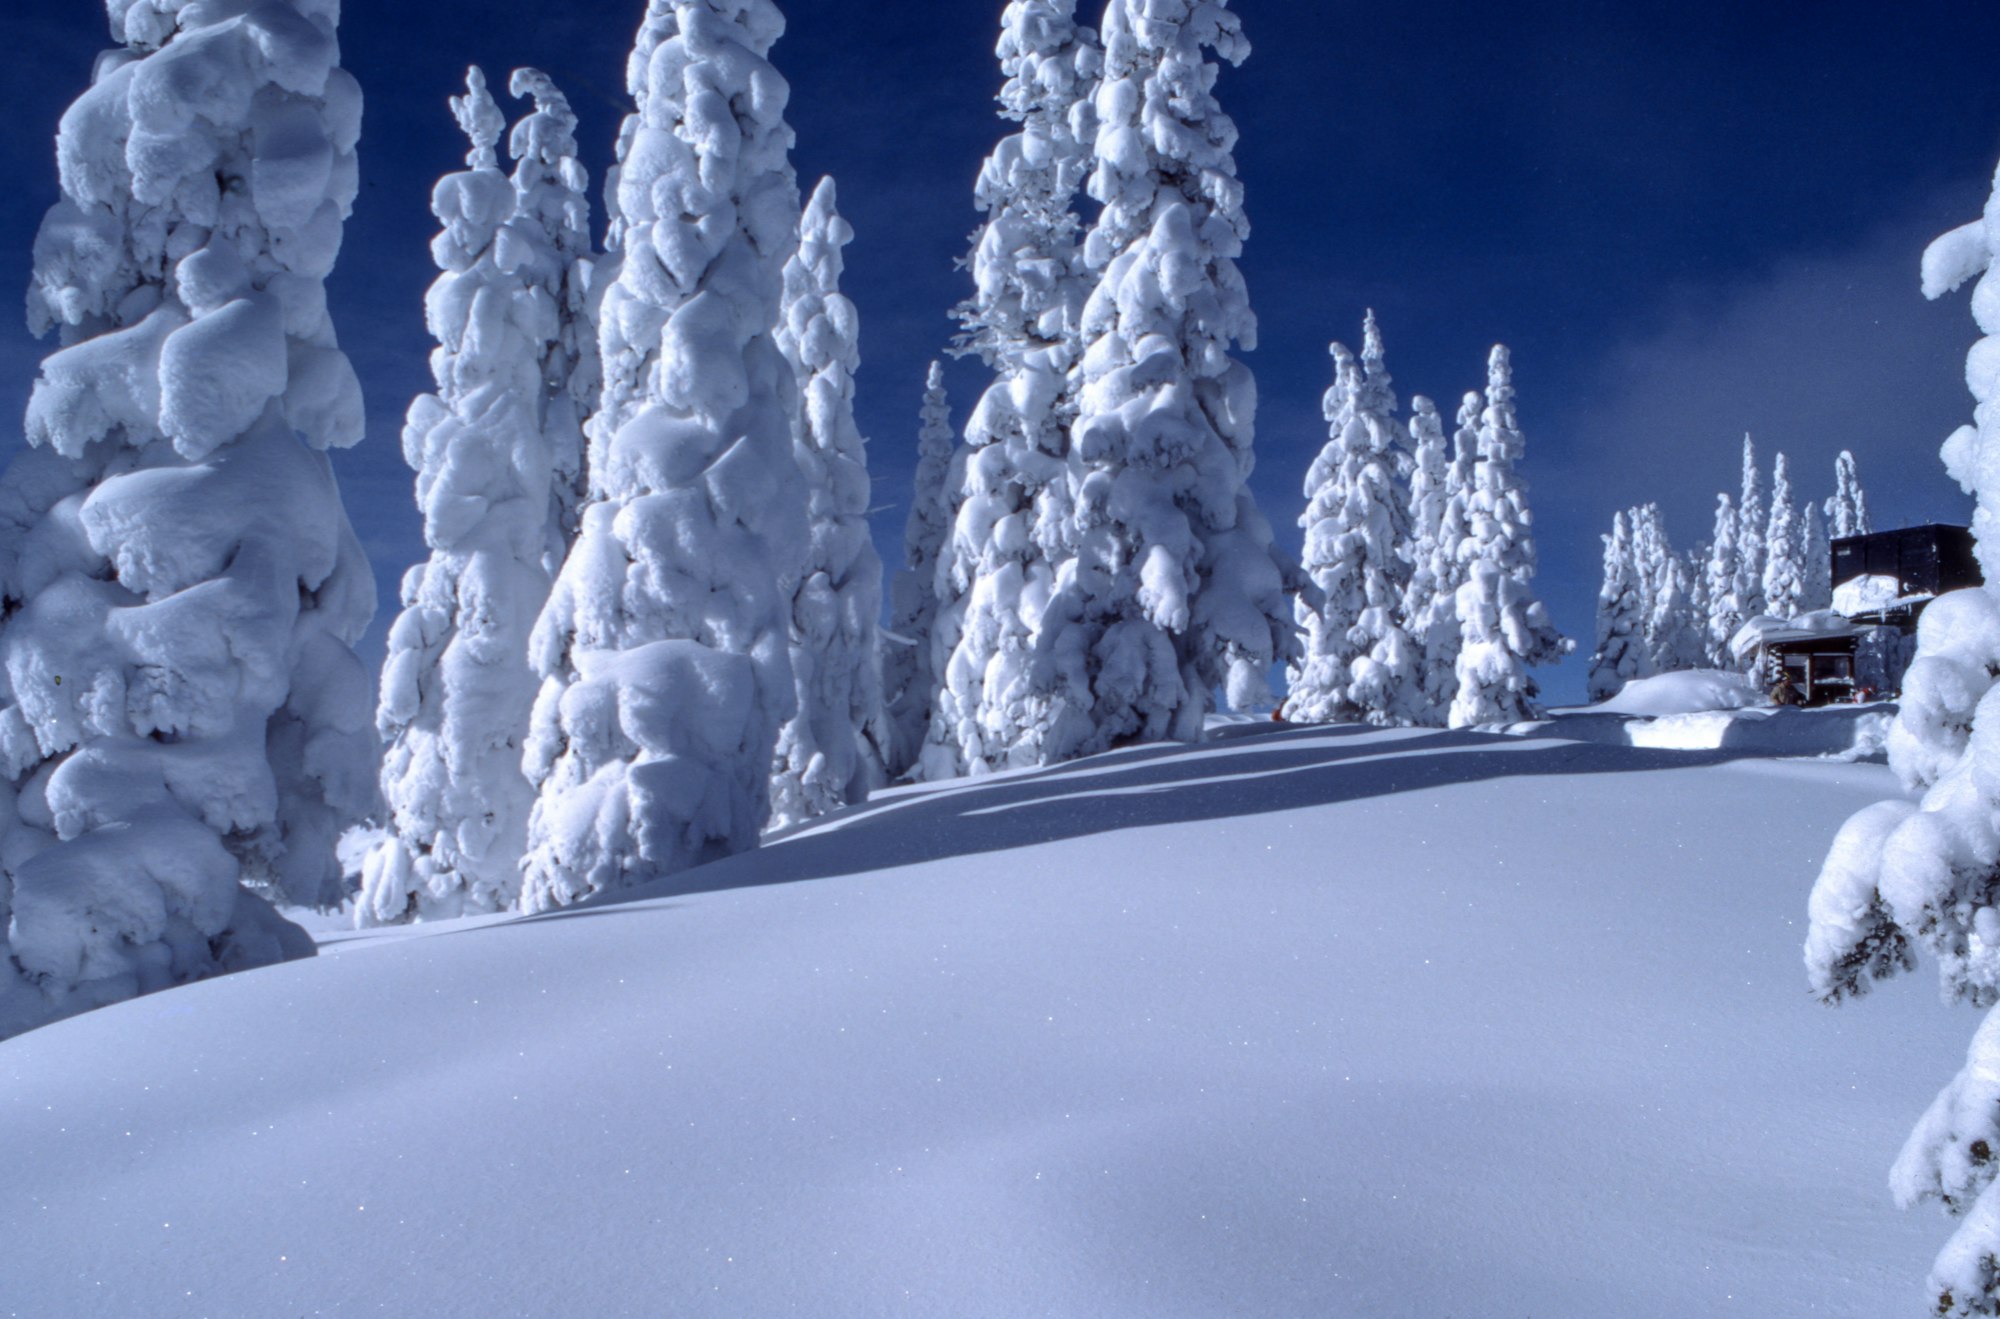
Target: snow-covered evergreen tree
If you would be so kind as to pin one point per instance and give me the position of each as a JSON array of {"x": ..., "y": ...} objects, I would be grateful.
[
  {"x": 1434, "y": 624},
  {"x": 665, "y": 646},
  {"x": 1621, "y": 654},
  {"x": 830, "y": 753},
  {"x": 1674, "y": 628},
  {"x": 1784, "y": 556},
  {"x": 909, "y": 665},
  {"x": 1176, "y": 587},
  {"x": 182, "y": 717},
  {"x": 497, "y": 451},
  {"x": 1904, "y": 875},
  {"x": 1694, "y": 571},
  {"x": 1358, "y": 663},
  {"x": 1505, "y": 630},
  {"x": 996, "y": 704},
  {"x": 1817, "y": 554},
  {"x": 1726, "y": 614},
  {"x": 1750, "y": 531},
  {"x": 1847, "y": 510},
  {"x": 1650, "y": 555},
  {"x": 1428, "y": 601}
]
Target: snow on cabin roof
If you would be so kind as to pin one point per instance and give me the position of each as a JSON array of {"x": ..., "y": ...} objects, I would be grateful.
[{"x": 1764, "y": 630}]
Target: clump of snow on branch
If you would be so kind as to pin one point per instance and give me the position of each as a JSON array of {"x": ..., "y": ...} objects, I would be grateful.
[
  {"x": 183, "y": 721},
  {"x": 1905, "y": 876},
  {"x": 830, "y": 754},
  {"x": 498, "y": 452},
  {"x": 1176, "y": 587},
  {"x": 665, "y": 647}
]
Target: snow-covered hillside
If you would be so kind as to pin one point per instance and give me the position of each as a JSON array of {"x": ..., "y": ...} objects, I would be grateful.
[{"x": 1300, "y": 1023}]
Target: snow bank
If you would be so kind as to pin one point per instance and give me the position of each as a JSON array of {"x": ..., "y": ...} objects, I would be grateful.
[{"x": 1687, "y": 692}]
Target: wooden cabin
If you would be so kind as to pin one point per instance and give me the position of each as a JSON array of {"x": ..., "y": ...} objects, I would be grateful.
[{"x": 1887, "y": 577}]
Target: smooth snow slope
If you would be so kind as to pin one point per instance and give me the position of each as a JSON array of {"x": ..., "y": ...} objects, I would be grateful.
[{"x": 1306, "y": 1023}]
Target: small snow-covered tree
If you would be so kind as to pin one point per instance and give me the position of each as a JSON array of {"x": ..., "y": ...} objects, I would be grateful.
[
  {"x": 1176, "y": 586},
  {"x": 1358, "y": 662},
  {"x": 1621, "y": 654},
  {"x": 1817, "y": 554},
  {"x": 665, "y": 646},
  {"x": 909, "y": 669},
  {"x": 1505, "y": 629},
  {"x": 1694, "y": 571},
  {"x": 1847, "y": 510},
  {"x": 1726, "y": 614},
  {"x": 1429, "y": 611},
  {"x": 1903, "y": 875},
  {"x": 1750, "y": 531},
  {"x": 1784, "y": 556},
  {"x": 830, "y": 752},
  {"x": 1434, "y": 624},
  {"x": 1650, "y": 554},
  {"x": 497, "y": 450},
  {"x": 182, "y": 717},
  {"x": 1674, "y": 628},
  {"x": 996, "y": 702}
]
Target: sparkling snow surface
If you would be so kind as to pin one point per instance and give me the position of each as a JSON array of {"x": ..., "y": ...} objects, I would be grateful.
[{"x": 1303, "y": 1023}]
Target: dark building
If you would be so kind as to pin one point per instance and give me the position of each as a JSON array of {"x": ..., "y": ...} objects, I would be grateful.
[{"x": 1890, "y": 576}]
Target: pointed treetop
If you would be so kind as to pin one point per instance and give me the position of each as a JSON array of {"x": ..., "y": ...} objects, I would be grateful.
[
  {"x": 823, "y": 234},
  {"x": 549, "y": 134},
  {"x": 481, "y": 119}
]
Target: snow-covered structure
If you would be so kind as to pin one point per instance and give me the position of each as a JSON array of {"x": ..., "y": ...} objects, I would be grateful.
[
  {"x": 1750, "y": 532},
  {"x": 1176, "y": 587},
  {"x": 498, "y": 455},
  {"x": 1505, "y": 630},
  {"x": 1847, "y": 508},
  {"x": 831, "y": 753},
  {"x": 1784, "y": 583},
  {"x": 1903, "y": 875},
  {"x": 1358, "y": 662},
  {"x": 183, "y": 722},
  {"x": 995, "y": 702},
  {"x": 1726, "y": 612},
  {"x": 664, "y": 650},
  {"x": 909, "y": 663},
  {"x": 1621, "y": 655}
]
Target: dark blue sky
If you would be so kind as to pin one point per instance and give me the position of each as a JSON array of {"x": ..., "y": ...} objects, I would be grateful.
[{"x": 1688, "y": 219}]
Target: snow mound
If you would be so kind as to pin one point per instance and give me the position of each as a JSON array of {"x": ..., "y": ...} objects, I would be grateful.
[{"x": 1690, "y": 691}]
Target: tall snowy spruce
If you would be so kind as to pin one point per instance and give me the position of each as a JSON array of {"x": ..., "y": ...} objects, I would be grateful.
[
  {"x": 830, "y": 754},
  {"x": 1504, "y": 629},
  {"x": 1750, "y": 532},
  {"x": 909, "y": 664},
  {"x": 1176, "y": 587},
  {"x": 1726, "y": 613},
  {"x": 497, "y": 451},
  {"x": 1428, "y": 599},
  {"x": 1817, "y": 555},
  {"x": 1784, "y": 556},
  {"x": 1904, "y": 875},
  {"x": 1432, "y": 618},
  {"x": 1621, "y": 654},
  {"x": 995, "y": 702},
  {"x": 665, "y": 646},
  {"x": 1358, "y": 663},
  {"x": 1847, "y": 510},
  {"x": 183, "y": 719}
]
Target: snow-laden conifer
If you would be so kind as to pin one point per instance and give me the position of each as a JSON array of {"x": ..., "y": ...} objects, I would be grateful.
[
  {"x": 1176, "y": 587},
  {"x": 996, "y": 704},
  {"x": 497, "y": 451},
  {"x": 1358, "y": 662},
  {"x": 665, "y": 646},
  {"x": 1650, "y": 554},
  {"x": 1902, "y": 875},
  {"x": 1428, "y": 602},
  {"x": 1621, "y": 654},
  {"x": 1750, "y": 531},
  {"x": 1726, "y": 614},
  {"x": 1847, "y": 509},
  {"x": 1505, "y": 630},
  {"x": 1784, "y": 556},
  {"x": 1675, "y": 627},
  {"x": 182, "y": 717},
  {"x": 909, "y": 663},
  {"x": 1433, "y": 623},
  {"x": 1817, "y": 554},
  {"x": 830, "y": 752}
]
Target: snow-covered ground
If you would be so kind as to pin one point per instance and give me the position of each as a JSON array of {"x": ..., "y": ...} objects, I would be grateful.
[
  {"x": 1300, "y": 1023},
  {"x": 1712, "y": 710}
]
